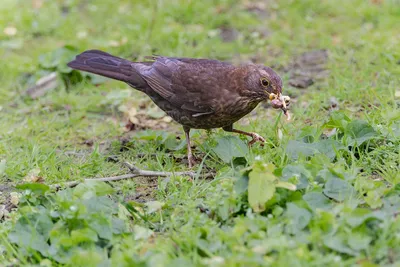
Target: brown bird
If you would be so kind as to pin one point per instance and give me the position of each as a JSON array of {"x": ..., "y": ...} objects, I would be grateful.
[{"x": 197, "y": 93}]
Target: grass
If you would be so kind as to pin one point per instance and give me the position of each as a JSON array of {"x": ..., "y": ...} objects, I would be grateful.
[{"x": 345, "y": 209}]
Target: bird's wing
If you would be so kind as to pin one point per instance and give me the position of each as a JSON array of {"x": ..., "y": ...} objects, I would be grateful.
[{"x": 189, "y": 84}]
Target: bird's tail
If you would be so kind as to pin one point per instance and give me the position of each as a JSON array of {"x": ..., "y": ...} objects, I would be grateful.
[{"x": 104, "y": 64}]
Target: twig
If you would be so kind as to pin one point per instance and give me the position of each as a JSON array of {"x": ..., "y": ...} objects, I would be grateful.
[{"x": 135, "y": 172}]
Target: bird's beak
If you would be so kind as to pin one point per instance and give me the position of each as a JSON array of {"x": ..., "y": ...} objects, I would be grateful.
[{"x": 281, "y": 101}]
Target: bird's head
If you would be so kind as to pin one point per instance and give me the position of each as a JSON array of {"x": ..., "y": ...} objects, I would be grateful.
[{"x": 263, "y": 83}]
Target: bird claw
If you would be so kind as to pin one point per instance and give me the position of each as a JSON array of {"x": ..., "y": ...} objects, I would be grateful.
[
  {"x": 256, "y": 138},
  {"x": 191, "y": 160}
]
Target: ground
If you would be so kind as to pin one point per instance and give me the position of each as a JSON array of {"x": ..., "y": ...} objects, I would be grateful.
[{"x": 323, "y": 190}]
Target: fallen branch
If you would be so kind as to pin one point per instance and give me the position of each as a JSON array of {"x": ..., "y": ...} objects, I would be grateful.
[{"x": 135, "y": 172}]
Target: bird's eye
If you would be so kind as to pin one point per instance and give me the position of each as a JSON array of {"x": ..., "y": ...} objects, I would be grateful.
[{"x": 264, "y": 82}]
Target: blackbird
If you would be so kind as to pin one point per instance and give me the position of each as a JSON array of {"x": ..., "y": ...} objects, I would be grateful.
[{"x": 197, "y": 93}]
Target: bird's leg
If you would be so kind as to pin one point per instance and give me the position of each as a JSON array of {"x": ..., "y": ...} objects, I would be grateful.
[
  {"x": 191, "y": 159},
  {"x": 256, "y": 137}
]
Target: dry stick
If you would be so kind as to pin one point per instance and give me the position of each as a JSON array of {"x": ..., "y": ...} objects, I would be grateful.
[{"x": 135, "y": 173}]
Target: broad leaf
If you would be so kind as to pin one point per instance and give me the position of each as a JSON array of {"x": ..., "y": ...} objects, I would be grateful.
[
  {"x": 338, "y": 189},
  {"x": 359, "y": 241},
  {"x": 297, "y": 172},
  {"x": 230, "y": 147},
  {"x": 261, "y": 186},
  {"x": 317, "y": 200},
  {"x": 298, "y": 217},
  {"x": 328, "y": 147},
  {"x": 359, "y": 132},
  {"x": 37, "y": 188},
  {"x": 338, "y": 243},
  {"x": 360, "y": 215}
]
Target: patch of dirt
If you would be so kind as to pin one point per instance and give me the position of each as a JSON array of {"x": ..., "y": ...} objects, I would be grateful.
[
  {"x": 146, "y": 116},
  {"x": 259, "y": 8},
  {"x": 6, "y": 204},
  {"x": 145, "y": 190},
  {"x": 308, "y": 68},
  {"x": 228, "y": 34}
]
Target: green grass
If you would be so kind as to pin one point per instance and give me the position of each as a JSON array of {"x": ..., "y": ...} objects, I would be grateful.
[{"x": 345, "y": 209}]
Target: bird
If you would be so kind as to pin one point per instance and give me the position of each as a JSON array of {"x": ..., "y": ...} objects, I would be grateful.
[{"x": 198, "y": 93}]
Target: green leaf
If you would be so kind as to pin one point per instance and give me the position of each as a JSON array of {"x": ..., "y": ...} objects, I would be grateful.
[
  {"x": 101, "y": 224},
  {"x": 338, "y": 189},
  {"x": 359, "y": 241},
  {"x": 118, "y": 226},
  {"x": 298, "y": 217},
  {"x": 261, "y": 186},
  {"x": 296, "y": 148},
  {"x": 83, "y": 235},
  {"x": 359, "y": 132},
  {"x": 298, "y": 173},
  {"x": 374, "y": 199},
  {"x": 153, "y": 206},
  {"x": 338, "y": 120},
  {"x": 338, "y": 243},
  {"x": 141, "y": 232},
  {"x": 230, "y": 147},
  {"x": 360, "y": 215},
  {"x": 103, "y": 205},
  {"x": 317, "y": 200},
  {"x": 58, "y": 59},
  {"x": 32, "y": 232},
  {"x": 328, "y": 147},
  {"x": 242, "y": 184},
  {"x": 2, "y": 166},
  {"x": 89, "y": 189},
  {"x": 36, "y": 188},
  {"x": 286, "y": 185}
]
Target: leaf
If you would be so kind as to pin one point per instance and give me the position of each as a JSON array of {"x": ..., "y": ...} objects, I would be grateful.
[
  {"x": 32, "y": 232},
  {"x": 118, "y": 226},
  {"x": 327, "y": 147},
  {"x": 153, "y": 206},
  {"x": 101, "y": 224},
  {"x": 286, "y": 185},
  {"x": 101, "y": 204},
  {"x": 374, "y": 199},
  {"x": 298, "y": 217},
  {"x": 317, "y": 200},
  {"x": 360, "y": 215},
  {"x": 83, "y": 235},
  {"x": 261, "y": 186},
  {"x": 241, "y": 184},
  {"x": 338, "y": 120},
  {"x": 359, "y": 241},
  {"x": 58, "y": 59},
  {"x": 2, "y": 166},
  {"x": 36, "y": 188},
  {"x": 298, "y": 172},
  {"x": 296, "y": 148},
  {"x": 230, "y": 147},
  {"x": 141, "y": 233},
  {"x": 89, "y": 189},
  {"x": 359, "y": 132},
  {"x": 338, "y": 243},
  {"x": 338, "y": 189}
]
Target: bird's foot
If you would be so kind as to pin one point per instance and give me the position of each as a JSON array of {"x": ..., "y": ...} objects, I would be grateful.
[
  {"x": 192, "y": 160},
  {"x": 256, "y": 138}
]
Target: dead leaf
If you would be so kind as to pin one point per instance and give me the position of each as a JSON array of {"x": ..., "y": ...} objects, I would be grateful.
[
  {"x": 14, "y": 198},
  {"x": 397, "y": 93},
  {"x": 36, "y": 4},
  {"x": 10, "y": 31},
  {"x": 33, "y": 176},
  {"x": 43, "y": 85}
]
